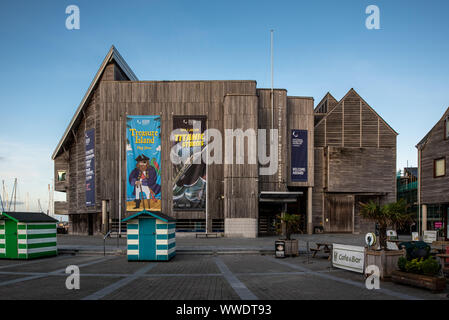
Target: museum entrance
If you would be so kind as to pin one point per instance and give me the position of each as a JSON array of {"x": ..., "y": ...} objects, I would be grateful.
[{"x": 271, "y": 206}]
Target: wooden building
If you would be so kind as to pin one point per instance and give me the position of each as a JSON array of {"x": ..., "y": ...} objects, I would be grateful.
[
  {"x": 241, "y": 201},
  {"x": 329, "y": 158},
  {"x": 433, "y": 178},
  {"x": 355, "y": 161}
]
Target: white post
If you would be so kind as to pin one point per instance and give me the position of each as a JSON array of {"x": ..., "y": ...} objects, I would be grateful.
[{"x": 309, "y": 211}]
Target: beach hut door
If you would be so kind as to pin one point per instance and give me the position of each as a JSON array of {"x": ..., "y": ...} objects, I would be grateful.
[
  {"x": 11, "y": 239},
  {"x": 147, "y": 239}
]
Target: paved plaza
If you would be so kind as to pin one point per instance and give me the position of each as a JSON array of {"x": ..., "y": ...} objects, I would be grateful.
[{"x": 192, "y": 276}]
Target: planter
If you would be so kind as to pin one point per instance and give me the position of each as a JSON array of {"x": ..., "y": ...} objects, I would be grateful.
[
  {"x": 387, "y": 261},
  {"x": 291, "y": 247},
  {"x": 436, "y": 284}
]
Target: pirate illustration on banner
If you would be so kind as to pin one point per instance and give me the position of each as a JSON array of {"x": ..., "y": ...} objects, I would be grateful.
[
  {"x": 144, "y": 178},
  {"x": 143, "y": 163}
]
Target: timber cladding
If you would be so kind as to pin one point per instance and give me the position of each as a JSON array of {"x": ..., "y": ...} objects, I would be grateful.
[
  {"x": 168, "y": 99},
  {"x": 276, "y": 119},
  {"x": 355, "y": 161},
  {"x": 434, "y": 146},
  {"x": 361, "y": 169},
  {"x": 240, "y": 180},
  {"x": 301, "y": 117}
]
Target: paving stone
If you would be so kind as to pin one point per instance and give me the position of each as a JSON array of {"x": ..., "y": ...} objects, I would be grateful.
[
  {"x": 49, "y": 264},
  {"x": 53, "y": 288},
  {"x": 177, "y": 288},
  {"x": 201, "y": 264},
  {"x": 252, "y": 263}
]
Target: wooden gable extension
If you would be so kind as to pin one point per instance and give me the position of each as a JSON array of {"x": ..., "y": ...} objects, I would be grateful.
[{"x": 353, "y": 123}]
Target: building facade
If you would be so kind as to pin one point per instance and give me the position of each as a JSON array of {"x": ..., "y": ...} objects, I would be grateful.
[
  {"x": 433, "y": 179},
  {"x": 242, "y": 199},
  {"x": 355, "y": 161}
]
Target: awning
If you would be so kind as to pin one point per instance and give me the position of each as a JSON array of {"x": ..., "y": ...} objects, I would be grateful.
[{"x": 279, "y": 196}]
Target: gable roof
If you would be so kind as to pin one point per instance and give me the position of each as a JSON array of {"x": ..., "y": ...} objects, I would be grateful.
[
  {"x": 28, "y": 216},
  {"x": 363, "y": 100},
  {"x": 153, "y": 214},
  {"x": 328, "y": 96},
  {"x": 423, "y": 141},
  {"x": 113, "y": 55}
]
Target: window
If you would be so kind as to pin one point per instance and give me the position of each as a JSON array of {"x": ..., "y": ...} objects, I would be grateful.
[
  {"x": 439, "y": 167},
  {"x": 61, "y": 176}
]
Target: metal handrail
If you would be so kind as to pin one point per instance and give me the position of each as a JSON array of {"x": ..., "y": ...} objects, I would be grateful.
[{"x": 104, "y": 241}]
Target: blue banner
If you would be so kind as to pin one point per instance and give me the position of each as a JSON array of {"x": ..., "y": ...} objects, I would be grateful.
[
  {"x": 299, "y": 157},
  {"x": 89, "y": 136},
  {"x": 143, "y": 163}
]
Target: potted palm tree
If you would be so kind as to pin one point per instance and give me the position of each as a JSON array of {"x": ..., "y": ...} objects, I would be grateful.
[
  {"x": 289, "y": 224},
  {"x": 389, "y": 215}
]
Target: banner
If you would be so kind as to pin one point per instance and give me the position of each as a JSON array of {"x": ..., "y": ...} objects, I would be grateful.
[
  {"x": 89, "y": 137},
  {"x": 189, "y": 183},
  {"x": 299, "y": 157},
  {"x": 143, "y": 163}
]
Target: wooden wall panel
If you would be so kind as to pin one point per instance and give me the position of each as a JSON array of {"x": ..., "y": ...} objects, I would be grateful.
[
  {"x": 165, "y": 99},
  {"x": 240, "y": 180},
  {"x": 435, "y": 190},
  {"x": 362, "y": 169},
  {"x": 278, "y": 181},
  {"x": 300, "y": 116}
]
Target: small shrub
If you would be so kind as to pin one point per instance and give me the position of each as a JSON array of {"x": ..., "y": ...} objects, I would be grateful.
[
  {"x": 414, "y": 266},
  {"x": 402, "y": 263},
  {"x": 430, "y": 267}
]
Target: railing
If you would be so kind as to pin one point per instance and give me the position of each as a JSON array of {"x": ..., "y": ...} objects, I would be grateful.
[
  {"x": 104, "y": 242},
  {"x": 408, "y": 187}
]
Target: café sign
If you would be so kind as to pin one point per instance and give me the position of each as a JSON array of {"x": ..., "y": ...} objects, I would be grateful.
[{"x": 350, "y": 258}]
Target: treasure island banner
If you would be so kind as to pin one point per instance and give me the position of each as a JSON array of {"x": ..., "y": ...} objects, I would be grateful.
[
  {"x": 189, "y": 183},
  {"x": 143, "y": 163}
]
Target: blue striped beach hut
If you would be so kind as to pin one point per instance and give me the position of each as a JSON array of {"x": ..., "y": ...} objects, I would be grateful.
[
  {"x": 151, "y": 236},
  {"x": 27, "y": 235}
]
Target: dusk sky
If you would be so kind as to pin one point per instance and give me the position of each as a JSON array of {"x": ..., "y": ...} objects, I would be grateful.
[{"x": 401, "y": 70}]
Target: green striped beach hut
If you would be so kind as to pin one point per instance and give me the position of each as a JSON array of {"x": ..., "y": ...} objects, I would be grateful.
[
  {"x": 27, "y": 235},
  {"x": 151, "y": 236}
]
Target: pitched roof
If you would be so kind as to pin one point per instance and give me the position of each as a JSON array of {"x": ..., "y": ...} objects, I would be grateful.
[
  {"x": 363, "y": 100},
  {"x": 423, "y": 141},
  {"x": 328, "y": 96},
  {"x": 113, "y": 55},
  {"x": 154, "y": 214},
  {"x": 28, "y": 216}
]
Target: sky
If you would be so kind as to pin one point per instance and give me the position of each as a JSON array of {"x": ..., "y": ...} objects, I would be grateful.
[{"x": 401, "y": 69}]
